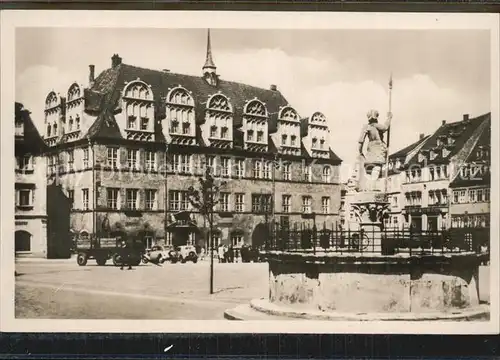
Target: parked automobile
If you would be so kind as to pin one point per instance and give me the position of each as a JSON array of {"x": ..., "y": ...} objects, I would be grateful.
[
  {"x": 183, "y": 253},
  {"x": 157, "y": 254}
]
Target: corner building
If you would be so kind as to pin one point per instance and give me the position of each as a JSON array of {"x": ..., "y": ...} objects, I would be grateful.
[{"x": 126, "y": 148}]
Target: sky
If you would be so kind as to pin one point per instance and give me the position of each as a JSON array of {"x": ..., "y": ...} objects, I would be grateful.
[{"x": 437, "y": 74}]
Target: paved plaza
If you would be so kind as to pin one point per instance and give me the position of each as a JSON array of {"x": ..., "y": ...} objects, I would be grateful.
[{"x": 60, "y": 289}]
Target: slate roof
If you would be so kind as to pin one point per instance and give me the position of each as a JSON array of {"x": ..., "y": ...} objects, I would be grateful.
[
  {"x": 406, "y": 150},
  {"x": 105, "y": 95},
  {"x": 473, "y": 159},
  {"x": 463, "y": 130},
  {"x": 31, "y": 142}
]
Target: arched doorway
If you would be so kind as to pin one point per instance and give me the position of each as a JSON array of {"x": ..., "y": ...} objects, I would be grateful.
[
  {"x": 22, "y": 240},
  {"x": 260, "y": 235}
]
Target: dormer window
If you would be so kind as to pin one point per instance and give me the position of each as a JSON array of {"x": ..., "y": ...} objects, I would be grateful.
[
  {"x": 70, "y": 124},
  {"x": 293, "y": 139},
  {"x": 322, "y": 144},
  {"x": 250, "y": 135},
  {"x": 144, "y": 123},
  {"x": 132, "y": 120},
  {"x": 446, "y": 152},
  {"x": 283, "y": 139},
  {"x": 451, "y": 141},
  {"x": 77, "y": 122},
  {"x": 186, "y": 127},
  {"x": 314, "y": 143},
  {"x": 439, "y": 142},
  {"x": 224, "y": 132},
  {"x": 260, "y": 136},
  {"x": 433, "y": 155},
  {"x": 48, "y": 130},
  {"x": 174, "y": 126},
  {"x": 398, "y": 164},
  {"x": 213, "y": 131},
  {"x": 55, "y": 129}
]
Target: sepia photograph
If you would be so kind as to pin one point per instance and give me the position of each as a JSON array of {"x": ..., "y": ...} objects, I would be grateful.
[{"x": 244, "y": 174}]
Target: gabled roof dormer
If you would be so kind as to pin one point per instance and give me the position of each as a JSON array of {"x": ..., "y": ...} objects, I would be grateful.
[
  {"x": 138, "y": 111},
  {"x": 75, "y": 105},
  {"x": 180, "y": 117},
  {"x": 316, "y": 141},
  {"x": 218, "y": 127},
  {"x": 53, "y": 112},
  {"x": 255, "y": 125},
  {"x": 287, "y": 138}
]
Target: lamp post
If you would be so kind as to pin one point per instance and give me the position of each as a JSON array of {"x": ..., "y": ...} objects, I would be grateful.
[
  {"x": 94, "y": 190},
  {"x": 166, "y": 191}
]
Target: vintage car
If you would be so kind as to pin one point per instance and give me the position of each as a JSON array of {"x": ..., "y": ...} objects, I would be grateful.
[
  {"x": 183, "y": 254},
  {"x": 157, "y": 254}
]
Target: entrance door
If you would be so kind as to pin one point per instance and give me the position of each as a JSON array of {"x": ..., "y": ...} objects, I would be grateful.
[
  {"x": 23, "y": 240},
  {"x": 148, "y": 241},
  {"x": 432, "y": 223},
  {"x": 416, "y": 223}
]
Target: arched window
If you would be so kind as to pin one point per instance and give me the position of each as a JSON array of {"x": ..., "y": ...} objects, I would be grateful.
[
  {"x": 138, "y": 99},
  {"x": 219, "y": 102},
  {"x": 255, "y": 108},
  {"x": 314, "y": 143},
  {"x": 77, "y": 122},
  {"x": 51, "y": 100},
  {"x": 55, "y": 129},
  {"x": 70, "y": 124},
  {"x": 180, "y": 110},
  {"x": 23, "y": 240},
  {"x": 74, "y": 92},
  {"x": 49, "y": 128},
  {"x": 327, "y": 174},
  {"x": 322, "y": 144},
  {"x": 219, "y": 111},
  {"x": 289, "y": 114},
  {"x": 318, "y": 118}
]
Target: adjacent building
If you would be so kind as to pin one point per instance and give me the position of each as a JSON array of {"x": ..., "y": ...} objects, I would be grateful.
[
  {"x": 30, "y": 187},
  {"x": 470, "y": 200},
  {"x": 126, "y": 147}
]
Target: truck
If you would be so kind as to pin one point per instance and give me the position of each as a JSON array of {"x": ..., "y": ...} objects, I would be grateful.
[{"x": 103, "y": 249}]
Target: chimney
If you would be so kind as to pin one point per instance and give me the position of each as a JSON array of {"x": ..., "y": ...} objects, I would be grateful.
[
  {"x": 273, "y": 87},
  {"x": 466, "y": 117},
  {"x": 116, "y": 60},
  {"x": 91, "y": 75},
  {"x": 443, "y": 122},
  {"x": 421, "y": 136}
]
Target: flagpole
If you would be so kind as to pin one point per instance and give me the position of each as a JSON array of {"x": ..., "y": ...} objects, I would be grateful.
[{"x": 388, "y": 141}]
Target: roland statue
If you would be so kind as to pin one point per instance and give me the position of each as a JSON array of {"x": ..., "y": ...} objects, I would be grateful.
[{"x": 370, "y": 164}]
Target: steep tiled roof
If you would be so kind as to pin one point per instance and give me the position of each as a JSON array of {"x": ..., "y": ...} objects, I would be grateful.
[
  {"x": 405, "y": 151},
  {"x": 31, "y": 141},
  {"x": 105, "y": 94},
  {"x": 484, "y": 141},
  {"x": 461, "y": 131}
]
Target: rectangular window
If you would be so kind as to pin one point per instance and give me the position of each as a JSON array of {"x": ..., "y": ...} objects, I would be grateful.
[
  {"x": 132, "y": 199},
  {"x": 150, "y": 160},
  {"x": 85, "y": 157},
  {"x": 24, "y": 163},
  {"x": 186, "y": 164},
  {"x": 144, "y": 123},
  {"x": 150, "y": 199},
  {"x": 456, "y": 195},
  {"x": 224, "y": 132},
  {"x": 224, "y": 202},
  {"x": 213, "y": 131},
  {"x": 131, "y": 121},
  {"x": 85, "y": 199},
  {"x": 240, "y": 168},
  {"x": 286, "y": 203},
  {"x": 306, "y": 171},
  {"x": 112, "y": 198},
  {"x": 250, "y": 135},
  {"x": 287, "y": 172},
  {"x": 325, "y": 205},
  {"x": 267, "y": 170},
  {"x": 185, "y": 205},
  {"x": 211, "y": 164},
  {"x": 239, "y": 202},
  {"x": 487, "y": 195},
  {"x": 132, "y": 155},
  {"x": 178, "y": 200},
  {"x": 462, "y": 197},
  {"x": 283, "y": 139},
  {"x": 186, "y": 128},
  {"x": 480, "y": 195},
  {"x": 293, "y": 139},
  {"x": 176, "y": 163},
  {"x": 306, "y": 204},
  {"x": 71, "y": 160},
  {"x": 257, "y": 169},
  {"x": 261, "y": 203},
  {"x": 25, "y": 197},
  {"x": 174, "y": 126},
  {"x": 225, "y": 166},
  {"x": 71, "y": 198},
  {"x": 260, "y": 136},
  {"x": 472, "y": 195},
  {"x": 112, "y": 157},
  {"x": 237, "y": 240},
  {"x": 432, "y": 199}
]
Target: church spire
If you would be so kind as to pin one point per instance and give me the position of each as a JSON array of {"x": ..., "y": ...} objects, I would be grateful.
[{"x": 209, "y": 61}]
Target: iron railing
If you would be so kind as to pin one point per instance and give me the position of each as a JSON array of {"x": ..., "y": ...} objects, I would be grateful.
[{"x": 300, "y": 237}]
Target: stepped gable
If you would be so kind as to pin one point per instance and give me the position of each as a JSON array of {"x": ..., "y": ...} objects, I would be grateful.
[{"x": 461, "y": 131}]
